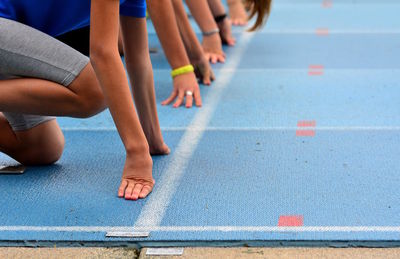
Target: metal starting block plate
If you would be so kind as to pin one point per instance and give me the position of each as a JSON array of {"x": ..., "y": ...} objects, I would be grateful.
[
  {"x": 5, "y": 169},
  {"x": 120, "y": 234}
]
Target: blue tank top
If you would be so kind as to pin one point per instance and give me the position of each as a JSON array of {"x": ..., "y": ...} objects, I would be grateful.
[{"x": 56, "y": 17}]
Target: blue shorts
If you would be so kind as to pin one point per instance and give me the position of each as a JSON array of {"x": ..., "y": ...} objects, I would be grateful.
[{"x": 56, "y": 17}]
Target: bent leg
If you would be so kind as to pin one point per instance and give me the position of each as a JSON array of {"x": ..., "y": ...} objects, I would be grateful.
[
  {"x": 41, "y": 76},
  {"x": 82, "y": 98},
  {"x": 40, "y": 145},
  {"x": 48, "y": 77}
]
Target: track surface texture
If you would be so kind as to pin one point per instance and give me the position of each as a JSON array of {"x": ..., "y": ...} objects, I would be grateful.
[{"x": 297, "y": 143}]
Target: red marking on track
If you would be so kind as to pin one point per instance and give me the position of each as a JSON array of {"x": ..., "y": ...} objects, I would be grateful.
[
  {"x": 316, "y": 67},
  {"x": 305, "y": 133},
  {"x": 309, "y": 124},
  {"x": 291, "y": 221},
  {"x": 306, "y": 128},
  {"x": 322, "y": 31},
  {"x": 316, "y": 70},
  {"x": 327, "y": 4},
  {"x": 315, "y": 73}
]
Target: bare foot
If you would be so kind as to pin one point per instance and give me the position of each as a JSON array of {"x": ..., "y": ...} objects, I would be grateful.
[
  {"x": 160, "y": 150},
  {"x": 237, "y": 13},
  {"x": 212, "y": 46},
  {"x": 137, "y": 179},
  {"x": 225, "y": 31}
]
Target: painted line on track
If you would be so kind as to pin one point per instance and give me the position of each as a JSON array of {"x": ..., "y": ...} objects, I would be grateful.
[
  {"x": 154, "y": 210},
  {"x": 330, "y": 31},
  {"x": 274, "y": 70},
  {"x": 302, "y": 4},
  {"x": 320, "y": 128},
  {"x": 322, "y": 229}
]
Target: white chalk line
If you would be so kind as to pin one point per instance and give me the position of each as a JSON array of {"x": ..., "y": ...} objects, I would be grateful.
[
  {"x": 266, "y": 229},
  {"x": 279, "y": 70},
  {"x": 211, "y": 129},
  {"x": 313, "y": 31},
  {"x": 302, "y": 4},
  {"x": 154, "y": 210},
  {"x": 331, "y": 31}
]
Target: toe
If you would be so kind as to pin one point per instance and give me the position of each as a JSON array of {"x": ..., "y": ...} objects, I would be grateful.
[{"x": 122, "y": 187}]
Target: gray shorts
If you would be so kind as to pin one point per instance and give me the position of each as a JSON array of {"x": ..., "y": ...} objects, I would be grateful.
[{"x": 29, "y": 53}]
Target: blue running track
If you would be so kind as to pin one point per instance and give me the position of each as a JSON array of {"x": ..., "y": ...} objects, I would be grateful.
[{"x": 297, "y": 143}]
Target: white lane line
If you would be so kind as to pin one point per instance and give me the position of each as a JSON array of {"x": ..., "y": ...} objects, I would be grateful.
[
  {"x": 313, "y": 32},
  {"x": 94, "y": 129},
  {"x": 302, "y": 70},
  {"x": 331, "y": 31},
  {"x": 328, "y": 128},
  {"x": 266, "y": 229},
  {"x": 278, "y": 128},
  {"x": 156, "y": 205},
  {"x": 302, "y": 4}
]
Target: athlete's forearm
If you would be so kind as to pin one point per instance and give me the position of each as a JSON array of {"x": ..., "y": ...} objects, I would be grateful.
[
  {"x": 111, "y": 75},
  {"x": 118, "y": 97},
  {"x": 163, "y": 18},
  {"x": 202, "y": 14},
  {"x": 217, "y": 8},
  {"x": 140, "y": 71},
  {"x": 192, "y": 44}
]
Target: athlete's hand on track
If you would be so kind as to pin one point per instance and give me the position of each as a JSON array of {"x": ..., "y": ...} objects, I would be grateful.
[
  {"x": 185, "y": 86},
  {"x": 237, "y": 13},
  {"x": 137, "y": 181},
  {"x": 203, "y": 70},
  {"x": 225, "y": 31},
  {"x": 212, "y": 46}
]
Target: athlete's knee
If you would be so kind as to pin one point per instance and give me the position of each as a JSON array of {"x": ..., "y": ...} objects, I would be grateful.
[
  {"x": 90, "y": 98},
  {"x": 92, "y": 102},
  {"x": 43, "y": 154},
  {"x": 43, "y": 145}
]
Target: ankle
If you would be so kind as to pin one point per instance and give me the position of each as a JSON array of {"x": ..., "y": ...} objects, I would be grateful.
[{"x": 137, "y": 150}]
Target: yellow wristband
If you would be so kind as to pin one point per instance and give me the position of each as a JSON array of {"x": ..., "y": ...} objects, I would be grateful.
[{"x": 182, "y": 70}]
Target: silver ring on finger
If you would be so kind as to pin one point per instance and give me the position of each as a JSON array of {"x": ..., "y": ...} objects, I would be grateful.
[{"x": 189, "y": 93}]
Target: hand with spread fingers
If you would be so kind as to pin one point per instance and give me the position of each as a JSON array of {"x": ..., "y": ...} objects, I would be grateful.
[
  {"x": 137, "y": 181},
  {"x": 185, "y": 86},
  {"x": 212, "y": 46},
  {"x": 203, "y": 70}
]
